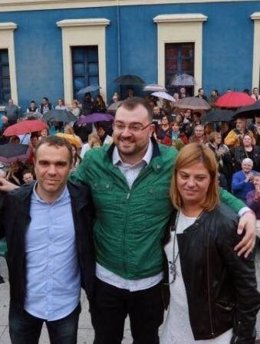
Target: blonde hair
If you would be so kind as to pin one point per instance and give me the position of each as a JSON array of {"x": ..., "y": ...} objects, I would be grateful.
[
  {"x": 189, "y": 155},
  {"x": 213, "y": 135}
]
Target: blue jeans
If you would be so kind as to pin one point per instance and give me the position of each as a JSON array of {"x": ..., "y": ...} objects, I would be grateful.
[{"x": 26, "y": 329}]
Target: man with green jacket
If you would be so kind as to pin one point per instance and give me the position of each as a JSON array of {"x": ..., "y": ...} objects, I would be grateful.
[{"x": 130, "y": 183}]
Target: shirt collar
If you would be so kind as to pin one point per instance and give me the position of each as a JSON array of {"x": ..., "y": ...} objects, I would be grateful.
[
  {"x": 146, "y": 158},
  {"x": 64, "y": 194}
]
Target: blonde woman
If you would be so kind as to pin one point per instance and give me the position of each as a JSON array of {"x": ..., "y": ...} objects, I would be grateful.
[{"x": 214, "y": 298}]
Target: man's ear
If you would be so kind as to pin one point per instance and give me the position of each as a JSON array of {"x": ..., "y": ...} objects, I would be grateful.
[{"x": 152, "y": 129}]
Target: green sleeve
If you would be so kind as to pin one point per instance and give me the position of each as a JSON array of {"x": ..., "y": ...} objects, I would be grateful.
[{"x": 230, "y": 200}]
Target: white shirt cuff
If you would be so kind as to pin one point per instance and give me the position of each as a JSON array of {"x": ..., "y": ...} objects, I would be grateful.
[{"x": 243, "y": 210}]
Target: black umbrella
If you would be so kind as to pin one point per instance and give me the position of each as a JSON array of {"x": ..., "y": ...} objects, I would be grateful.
[
  {"x": 249, "y": 111},
  {"x": 129, "y": 79},
  {"x": 218, "y": 115},
  {"x": 11, "y": 152},
  {"x": 59, "y": 116}
]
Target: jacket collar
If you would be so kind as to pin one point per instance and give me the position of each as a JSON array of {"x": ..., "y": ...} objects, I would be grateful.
[{"x": 79, "y": 194}]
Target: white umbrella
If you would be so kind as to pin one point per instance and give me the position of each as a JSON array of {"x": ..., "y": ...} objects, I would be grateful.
[
  {"x": 88, "y": 89},
  {"x": 163, "y": 95},
  {"x": 114, "y": 106},
  {"x": 183, "y": 80},
  {"x": 193, "y": 103},
  {"x": 154, "y": 88}
]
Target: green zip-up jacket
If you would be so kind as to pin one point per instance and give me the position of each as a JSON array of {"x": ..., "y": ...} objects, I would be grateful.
[{"x": 130, "y": 223}]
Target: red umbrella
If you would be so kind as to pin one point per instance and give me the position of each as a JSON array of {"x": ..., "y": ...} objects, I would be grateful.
[
  {"x": 24, "y": 127},
  {"x": 234, "y": 100}
]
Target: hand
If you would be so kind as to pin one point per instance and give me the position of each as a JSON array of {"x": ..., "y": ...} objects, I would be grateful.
[
  {"x": 250, "y": 177},
  {"x": 221, "y": 151},
  {"x": 7, "y": 186},
  {"x": 246, "y": 223}
]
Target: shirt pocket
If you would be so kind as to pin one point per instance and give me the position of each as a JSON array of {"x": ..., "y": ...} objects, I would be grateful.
[
  {"x": 157, "y": 199},
  {"x": 102, "y": 193}
]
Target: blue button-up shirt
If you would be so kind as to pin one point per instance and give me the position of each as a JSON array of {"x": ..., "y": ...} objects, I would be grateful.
[{"x": 53, "y": 275}]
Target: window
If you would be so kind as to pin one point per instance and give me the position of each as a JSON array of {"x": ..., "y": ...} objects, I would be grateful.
[
  {"x": 5, "y": 91},
  {"x": 180, "y": 46},
  {"x": 256, "y": 52},
  {"x": 8, "y": 85},
  {"x": 84, "y": 54},
  {"x": 179, "y": 59},
  {"x": 84, "y": 67}
]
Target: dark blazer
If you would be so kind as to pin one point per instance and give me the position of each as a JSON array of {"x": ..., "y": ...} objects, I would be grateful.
[{"x": 15, "y": 221}]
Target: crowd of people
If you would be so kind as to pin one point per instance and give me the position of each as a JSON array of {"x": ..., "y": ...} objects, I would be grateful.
[{"x": 100, "y": 216}]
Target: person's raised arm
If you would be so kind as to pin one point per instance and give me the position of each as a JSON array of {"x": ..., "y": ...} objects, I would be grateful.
[
  {"x": 247, "y": 223},
  {"x": 6, "y": 186}
]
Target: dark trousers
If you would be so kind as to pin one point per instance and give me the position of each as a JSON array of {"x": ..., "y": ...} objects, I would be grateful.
[
  {"x": 26, "y": 329},
  {"x": 111, "y": 306}
]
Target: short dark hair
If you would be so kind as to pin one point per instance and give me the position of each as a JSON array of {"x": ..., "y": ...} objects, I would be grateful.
[
  {"x": 27, "y": 171},
  {"x": 132, "y": 102},
  {"x": 57, "y": 141}
]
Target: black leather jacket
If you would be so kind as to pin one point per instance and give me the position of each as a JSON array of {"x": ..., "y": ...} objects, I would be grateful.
[
  {"x": 220, "y": 286},
  {"x": 236, "y": 155},
  {"x": 15, "y": 220}
]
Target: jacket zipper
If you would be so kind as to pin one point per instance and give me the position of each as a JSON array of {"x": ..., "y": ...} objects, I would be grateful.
[
  {"x": 124, "y": 241},
  {"x": 209, "y": 298}
]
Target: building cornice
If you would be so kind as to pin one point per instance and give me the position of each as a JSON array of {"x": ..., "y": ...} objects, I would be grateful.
[
  {"x": 83, "y": 22},
  {"x": 180, "y": 18},
  {"x": 27, "y": 5},
  {"x": 255, "y": 16},
  {"x": 8, "y": 26}
]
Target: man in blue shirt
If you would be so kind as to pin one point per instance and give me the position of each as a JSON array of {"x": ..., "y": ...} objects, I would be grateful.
[{"x": 48, "y": 229}]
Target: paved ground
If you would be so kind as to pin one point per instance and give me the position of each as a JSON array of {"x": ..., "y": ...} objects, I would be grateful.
[{"x": 85, "y": 333}]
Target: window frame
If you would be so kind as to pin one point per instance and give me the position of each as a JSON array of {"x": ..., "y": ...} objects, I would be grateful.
[
  {"x": 256, "y": 50},
  {"x": 83, "y": 32},
  {"x": 7, "y": 42},
  {"x": 180, "y": 28}
]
